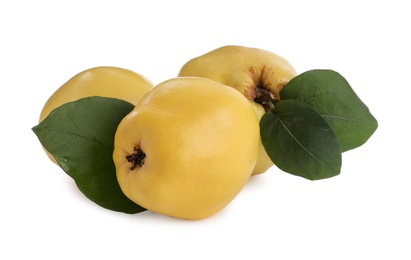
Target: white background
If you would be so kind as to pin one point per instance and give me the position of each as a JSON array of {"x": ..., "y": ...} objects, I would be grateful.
[{"x": 363, "y": 213}]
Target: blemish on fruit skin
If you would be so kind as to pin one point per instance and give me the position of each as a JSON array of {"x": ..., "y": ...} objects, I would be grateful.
[
  {"x": 249, "y": 93},
  {"x": 257, "y": 75},
  {"x": 136, "y": 159}
]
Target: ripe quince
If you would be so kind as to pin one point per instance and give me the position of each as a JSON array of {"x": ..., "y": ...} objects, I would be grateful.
[
  {"x": 104, "y": 81},
  {"x": 187, "y": 149},
  {"x": 258, "y": 74}
]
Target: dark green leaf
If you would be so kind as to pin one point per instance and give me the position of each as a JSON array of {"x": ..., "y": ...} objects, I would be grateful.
[
  {"x": 299, "y": 141},
  {"x": 330, "y": 95},
  {"x": 80, "y": 136}
]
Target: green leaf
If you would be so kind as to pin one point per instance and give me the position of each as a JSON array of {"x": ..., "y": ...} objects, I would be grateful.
[
  {"x": 299, "y": 141},
  {"x": 80, "y": 136},
  {"x": 331, "y": 95}
]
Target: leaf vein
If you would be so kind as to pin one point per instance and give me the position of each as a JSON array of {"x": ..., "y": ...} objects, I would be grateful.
[
  {"x": 86, "y": 138},
  {"x": 300, "y": 144},
  {"x": 341, "y": 118}
]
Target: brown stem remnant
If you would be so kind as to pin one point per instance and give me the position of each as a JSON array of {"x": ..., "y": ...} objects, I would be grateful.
[
  {"x": 261, "y": 94},
  {"x": 265, "y": 98},
  {"x": 137, "y": 158}
]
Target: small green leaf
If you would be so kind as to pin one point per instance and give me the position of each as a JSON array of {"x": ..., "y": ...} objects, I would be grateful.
[
  {"x": 330, "y": 95},
  {"x": 299, "y": 141},
  {"x": 80, "y": 136}
]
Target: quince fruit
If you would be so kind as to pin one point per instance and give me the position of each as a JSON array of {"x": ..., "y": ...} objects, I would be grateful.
[
  {"x": 111, "y": 82},
  {"x": 187, "y": 149},
  {"x": 258, "y": 74}
]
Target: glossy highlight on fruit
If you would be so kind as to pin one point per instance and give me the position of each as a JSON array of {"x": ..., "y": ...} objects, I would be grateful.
[
  {"x": 188, "y": 148},
  {"x": 258, "y": 74}
]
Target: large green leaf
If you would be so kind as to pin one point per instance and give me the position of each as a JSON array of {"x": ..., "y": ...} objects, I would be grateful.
[
  {"x": 331, "y": 95},
  {"x": 299, "y": 141},
  {"x": 80, "y": 136}
]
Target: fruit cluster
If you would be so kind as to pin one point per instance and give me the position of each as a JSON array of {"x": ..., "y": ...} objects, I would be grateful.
[{"x": 187, "y": 146}]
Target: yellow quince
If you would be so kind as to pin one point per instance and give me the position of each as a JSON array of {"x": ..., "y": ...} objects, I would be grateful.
[
  {"x": 187, "y": 149},
  {"x": 112, "y": 82},
  {"x": 258, "y": 74}
]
